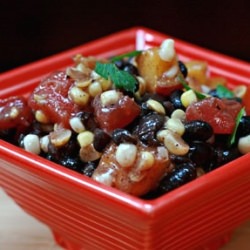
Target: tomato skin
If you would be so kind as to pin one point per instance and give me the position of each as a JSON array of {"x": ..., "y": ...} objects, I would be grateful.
[
  {"x": 15, "y": 113},
  {"x": 219, "y": 113},
  {"x": 165, "y": 86},
  {"x": 166, "y": 90},
  {"x": 51, "y": 97},
  {"x": 115, "y": 116}
]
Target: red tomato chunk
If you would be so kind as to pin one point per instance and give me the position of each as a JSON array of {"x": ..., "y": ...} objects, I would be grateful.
[
  {"x": 117, "y": 115},
  {"x": 219, "y": 113},
  {"x": 51, "y": 97},
  {"x": 14, "y": 112}
]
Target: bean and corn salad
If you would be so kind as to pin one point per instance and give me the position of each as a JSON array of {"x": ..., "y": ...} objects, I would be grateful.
[{"x": 143, "y": 122}]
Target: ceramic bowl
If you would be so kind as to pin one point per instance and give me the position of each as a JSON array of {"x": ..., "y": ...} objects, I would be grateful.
[{"x": 84, "y": 214}]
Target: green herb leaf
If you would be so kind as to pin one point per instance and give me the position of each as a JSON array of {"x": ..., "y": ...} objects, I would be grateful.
[
  {"x": 238, "y": 118},
  {"x": 185, "y": 85},
  {"x": 224, "y": 92},
  {"x": 120, "y": 78},
  {"x": 126, "y": 55}
]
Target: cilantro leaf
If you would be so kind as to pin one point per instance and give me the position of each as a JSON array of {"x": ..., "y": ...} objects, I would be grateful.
[
  {"x": 224, "y": 92},
  {"x": 120, "y": 78},
  {"x": 126, "y": 55},
  {"x": 238, "y": 118},
  {"x": 185, "y": 85}
]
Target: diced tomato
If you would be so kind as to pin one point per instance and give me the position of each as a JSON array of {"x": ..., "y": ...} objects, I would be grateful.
[
  {"x": 166, "y": 90},
  {"x": 166, "y": 86},
  {"x": 15, "y": 112},
  {"x": 219, "y": 113},
  {"x": 51, "y": 97},
  {"x": 115, "y": 116}
]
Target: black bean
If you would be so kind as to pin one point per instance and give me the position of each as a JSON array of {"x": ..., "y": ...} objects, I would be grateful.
[
  {"x": 202, "y": 154},
  {"x": 221, "y": 140},
  {"x": 37, "y": 129},
  {"x": 69, "y": 150},
  {"x": 175, "y": 99},
  {"x": 127, "y": 66},
  {"x": 154, "y": 96},
  {"x": 88, "y": 120},
  {"x": 68, "y": 156},
  {"x": 14, "y": 137},
  {"x": 84, "y": 115},
  {"x": 213, "y": 92},
  {"x": 145, "y": 109},
  {"x": 123, "y": 135},
  {"x": 89, "y": 168},
  {"x": 183, "y": 68},
  {"x": 244, "y": 127},
  {"x": 130, "y": 68},
  {"x": 148, "y": 127},
  {"x": 224, "y": 156},
  {"x": 182, "y": 174},
  {"x": 169, "y": 107},
  {"x": 119, "y": 64},
  {"x": 197, "y": 130},
  {"x": 178, "y": 159},
  {"x": 71, "y": 162},
  {"x": 101, "y": 139}
]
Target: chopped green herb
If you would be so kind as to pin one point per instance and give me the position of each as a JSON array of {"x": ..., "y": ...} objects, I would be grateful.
[
  {"x": 224, "y": 92},
  {"x": 126, "y": 55},
  {"x": 185, "y": 85},
  {"x": 120, "y": 78},
  {"x": 238, "y": 118}
]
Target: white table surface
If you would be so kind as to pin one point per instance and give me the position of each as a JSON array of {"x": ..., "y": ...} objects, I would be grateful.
[{"x": 20, "y": 231}]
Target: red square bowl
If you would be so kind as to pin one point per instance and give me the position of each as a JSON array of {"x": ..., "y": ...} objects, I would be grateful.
[{"x": 84, "y": 214}]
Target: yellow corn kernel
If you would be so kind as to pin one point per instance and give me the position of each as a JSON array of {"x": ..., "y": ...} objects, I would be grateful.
[
  {"x": 83, "y": 83},
  {"x": 95, "y": 89},
  {"x": 14, "y": 112},
  {"x": 188, "y": 97},
  {"x": 167, "y": 50},
  {"x": 146, "y": 161},
  {"x": 176, "y": 126},
  {"x": 109, "y": 97},
  {"x": 240, "y": 91},
  {"x": 41, "y": 117},
  {"x": 156, "y": 106},
  {"x": 105, "y": 84},
  {"x": 85, "y": 138},
  {"x": 60, "y": 137},
  {"x": 174, "y": 143},
  {"x": 79, "y": 96},
  {"x": 179, "y": 114}
]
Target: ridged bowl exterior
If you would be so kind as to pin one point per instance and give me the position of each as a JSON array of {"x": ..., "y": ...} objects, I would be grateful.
[{"x": 86, "y": 215}]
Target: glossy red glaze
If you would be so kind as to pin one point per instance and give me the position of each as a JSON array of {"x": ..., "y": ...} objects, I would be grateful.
[
  {"x": 220, "y": 114},
  {"x": 14, "y": 111},
  {"x": 51, "y": 97},
  {"x": 86, "y": 215},
  {"x": 117, "y": 115},
  {"x": 166, "y": 90}
]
